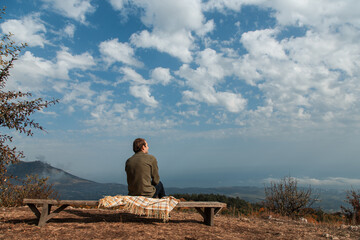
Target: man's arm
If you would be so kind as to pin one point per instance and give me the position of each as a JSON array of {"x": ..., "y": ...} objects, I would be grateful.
[{"x": 155, "y": 173}]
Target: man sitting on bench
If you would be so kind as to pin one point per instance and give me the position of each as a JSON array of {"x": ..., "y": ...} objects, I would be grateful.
[{"x": 142, "y": 172}]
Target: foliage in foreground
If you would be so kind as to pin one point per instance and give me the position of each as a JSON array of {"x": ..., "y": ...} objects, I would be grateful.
[
  {"x": 16, "y": 107},
  {"x": 286, "y": 198},
  {"x": 31, "y": 187},
  {"x": 352, "y": 213}
]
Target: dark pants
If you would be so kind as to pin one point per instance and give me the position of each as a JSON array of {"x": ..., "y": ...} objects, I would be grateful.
[{"x": 160, "y": 191}]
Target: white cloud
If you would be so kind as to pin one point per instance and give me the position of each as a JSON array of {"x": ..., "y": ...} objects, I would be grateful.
[
  {"x": 307, "y": 78},
  {"x": 143, "y": 92},
  {"x": 36, "y": 74},
  {"x": 171, "y": 15},
  {"x": 75, "y": 9},
  {"x": 118, "y": 4},
  {"x": 31, "y": 73},
  {"x": 262, "y": 43},
  {"x": 161, "y": 75},
  {"x": 329, "y": 182},
  {"x": 231, "y": 101},
  {"x": 114, "y": 51},
  {"x": 130, "y": 75},
  {"x": 223, "y": 5},
  {"x": 173, "y": 23},
  {"x": 333, "y": 50},
  {"x": 70, "y": 30},
  {"x": 66, "y": 62},
  {"x": 321, "y": 14},
  {"x": 211, "y": 73},
  {"x": 140, "y": 87},
  {"x": 104, "y": 97},
  {"x": 177, "y": 44},
  {"x": 79, "y": 94},
  {"x": 29, "y": 29},
  {"x": 158, "y": 75}
]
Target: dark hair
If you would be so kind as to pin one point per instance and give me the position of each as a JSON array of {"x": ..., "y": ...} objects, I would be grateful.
[{"x": 138, "y": 144}]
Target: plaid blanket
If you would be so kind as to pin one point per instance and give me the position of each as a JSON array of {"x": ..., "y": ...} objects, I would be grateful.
[{"x": 151, "y": 207}]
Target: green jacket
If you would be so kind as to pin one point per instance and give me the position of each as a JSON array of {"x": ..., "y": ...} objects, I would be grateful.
[{"x": 142, "y": 174}]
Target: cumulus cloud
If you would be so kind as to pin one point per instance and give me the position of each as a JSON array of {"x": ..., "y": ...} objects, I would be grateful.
[
  {"x": 321, "y": 14},
  {"x": 69, "y": 30},
  {"x": 143, "y": 92},
  {"x": 178, "y": 44},
  {"x": 130, "y": 75},
  {"x": 301, "y": 76},
  {"x": 66, "y": 61},
  {"x": 140, "y": 87},
  {"x": 306, "y": 79},
  {"x": 231, "y": 101},
  {"x": 222, "y": 5},
  {"x": 30, "y": 29},
  {"x": 80, "y": 94},
  {"x": 211, "y": 72},
  {"x": 114, "y": 51},
  {"x": 75, "y": 9},
  {"x": 263, "y": 43},
  {"x": 31, "y": 73},
  {"x": 161, "y": 75},
  {"x": 118, "y": 4},
  {"x": 37, "y": 74},
  {"x": 172, "y": 23}
]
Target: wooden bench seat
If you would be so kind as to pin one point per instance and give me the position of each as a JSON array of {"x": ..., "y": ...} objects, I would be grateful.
[{"x": 207, "y": 209}]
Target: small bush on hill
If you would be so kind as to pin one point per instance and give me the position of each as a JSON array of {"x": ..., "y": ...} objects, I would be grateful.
[
  {"x": 286, "y": 198},
  {"x": 352, "y": 214}
]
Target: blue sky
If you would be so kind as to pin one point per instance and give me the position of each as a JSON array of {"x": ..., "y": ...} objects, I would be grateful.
[{"x": 226, "y": 92}]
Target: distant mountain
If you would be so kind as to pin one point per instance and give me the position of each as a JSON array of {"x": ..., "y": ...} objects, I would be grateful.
[
  {"x": 74, "y": 188},
  {"x": 67, "y": 185},
  {"x": 56, "y": 175}
]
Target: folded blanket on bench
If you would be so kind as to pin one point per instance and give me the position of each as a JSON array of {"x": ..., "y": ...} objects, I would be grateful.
[{"x": 139, "y": 205}]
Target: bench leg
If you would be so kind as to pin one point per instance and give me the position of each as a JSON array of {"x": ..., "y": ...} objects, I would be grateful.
[
  {"x": 208, "y": 214},
  {"x": 34, "y": 209},
  {"x": 44, "y": 217},
  {"x": 45, "y": 214}
]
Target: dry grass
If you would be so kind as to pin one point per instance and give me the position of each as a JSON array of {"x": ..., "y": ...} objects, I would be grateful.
[{"x": 19, "y": 223}]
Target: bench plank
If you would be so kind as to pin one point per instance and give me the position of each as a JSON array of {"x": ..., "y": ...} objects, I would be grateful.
[
  {"x": 207, "y": 209},
  {"x": 61, "y": 202}
]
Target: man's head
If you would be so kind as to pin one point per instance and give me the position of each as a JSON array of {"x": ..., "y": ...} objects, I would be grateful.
[{"x": 140, "y": 144}]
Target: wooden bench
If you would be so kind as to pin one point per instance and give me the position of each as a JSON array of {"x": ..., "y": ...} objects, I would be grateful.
[{"x": 207, "y": 209}]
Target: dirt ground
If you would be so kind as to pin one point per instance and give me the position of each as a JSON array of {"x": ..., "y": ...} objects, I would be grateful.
[{"x": 20, "y": 223}]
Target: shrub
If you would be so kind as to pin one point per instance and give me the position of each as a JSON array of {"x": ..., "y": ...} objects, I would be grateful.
[
  {"x": 286, "y": 198},
  {"x": 352, "y": 214},
  {"x": 12, "y": 195}
]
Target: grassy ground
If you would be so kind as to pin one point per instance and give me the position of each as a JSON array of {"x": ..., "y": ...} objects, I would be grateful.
[{"x": 20, "y": 223}]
